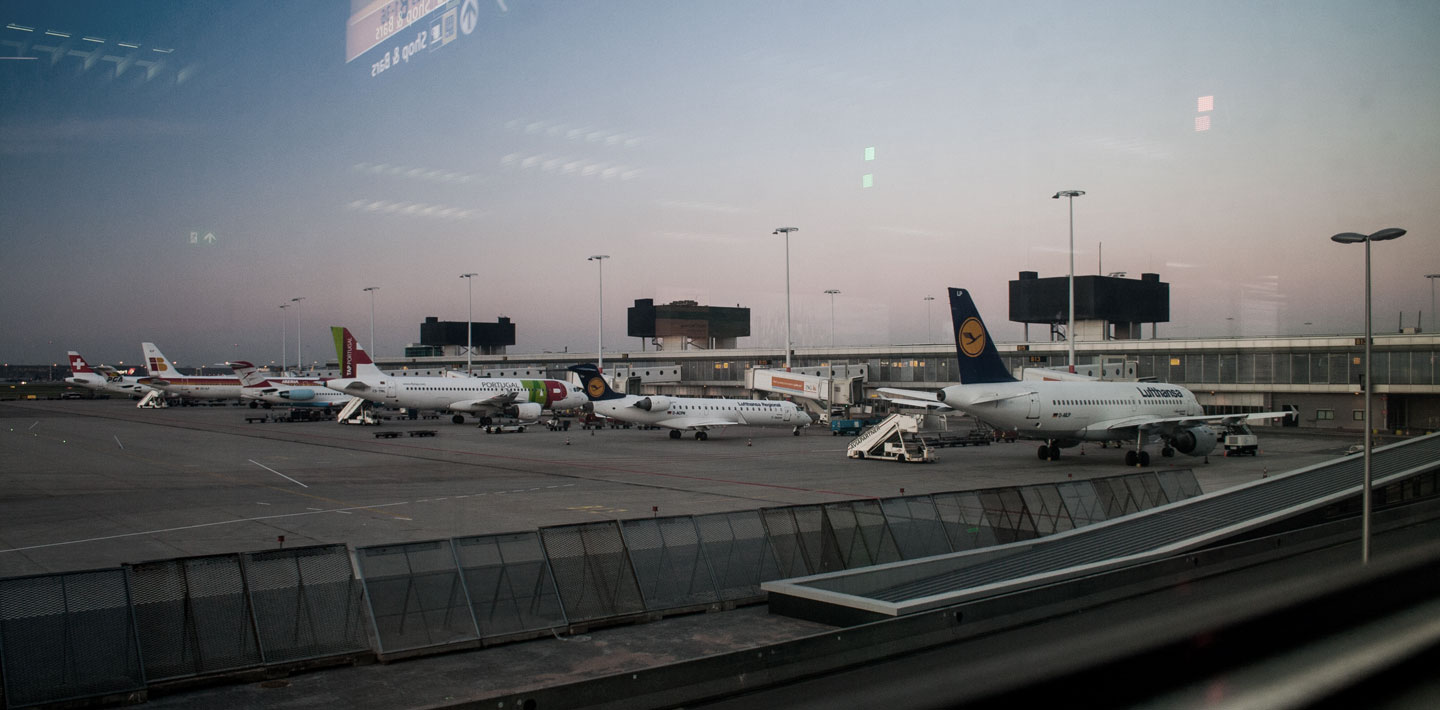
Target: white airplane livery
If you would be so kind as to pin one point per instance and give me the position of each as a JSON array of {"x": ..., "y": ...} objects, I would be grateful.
[
  {"x": 166, "y": 377},
  {"x": 102, "y": 379},
  {"x": 260, "y": 389},
  {"x": 487, "y": 397},
  {"x": 1064, "y": 413},
  {"x": 698, "y": 414}
]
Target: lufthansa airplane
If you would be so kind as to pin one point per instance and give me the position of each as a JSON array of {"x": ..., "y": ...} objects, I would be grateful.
[
  {"x": 698, "y": 414},
  {"x": 1065, "y": 413},
  {"x": 518, "y": 398}
]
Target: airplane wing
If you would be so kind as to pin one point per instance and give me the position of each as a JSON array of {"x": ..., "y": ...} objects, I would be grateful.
[
  {"x": 1000, "y": 397},
  {"x": 697, "y": 424},
  {"x": 500, "y": 399},
  {"x": 1145, "y": 422},
  {"x": 913, "y": 398}
]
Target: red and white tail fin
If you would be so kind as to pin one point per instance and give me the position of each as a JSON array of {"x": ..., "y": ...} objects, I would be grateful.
[
  {"x": 353, "y": 360},
  {"x": 77, "y": 364},
  {"x": 156, "y": 362}
]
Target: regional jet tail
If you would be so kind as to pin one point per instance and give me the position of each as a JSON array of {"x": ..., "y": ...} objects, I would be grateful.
[
  {"x": 1065, "y": 413},
  {"x": 697, "y": 414},
  {"x": 521, "y": 398}
]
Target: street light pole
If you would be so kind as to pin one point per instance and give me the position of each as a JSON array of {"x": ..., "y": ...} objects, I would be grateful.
[
  {"x": 832, "y": 292},
  {"x": 283, "y": 345},
  {"x": 469, "y": 316},
  {"x": 299, "y": 358},
  {"x": 1432, "y": 278},
  {"x": 372, "y": 290},
  {"x": 1070, "y": 326},
  {"x": 1365, "y": 503},
  {"x": 786, "y": 231},
  {"x": 928, "y": 337},
  {"x": 599, "y": 260}
]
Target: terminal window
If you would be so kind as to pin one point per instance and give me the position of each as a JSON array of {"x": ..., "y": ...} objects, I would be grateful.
[
  {"x": 1324, "y": 414},
  {"x": 1357, "y": 414}
]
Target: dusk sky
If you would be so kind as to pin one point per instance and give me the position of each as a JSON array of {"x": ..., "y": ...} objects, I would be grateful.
[{"x": 675, "y": 137}]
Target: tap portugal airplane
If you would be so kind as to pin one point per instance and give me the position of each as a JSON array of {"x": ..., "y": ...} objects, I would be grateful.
[
  {"x": 1065, "y": 413},
  {"x": 514, "y": 397},
  {"x": 698, "y": 414}
]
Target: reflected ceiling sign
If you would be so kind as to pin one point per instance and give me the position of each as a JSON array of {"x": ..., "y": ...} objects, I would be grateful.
[{"x": 375, "y": 22}]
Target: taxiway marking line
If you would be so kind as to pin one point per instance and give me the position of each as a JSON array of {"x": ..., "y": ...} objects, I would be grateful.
[
  {"x": 203, "y": 525},
  {"x": 271, "y": 470}
]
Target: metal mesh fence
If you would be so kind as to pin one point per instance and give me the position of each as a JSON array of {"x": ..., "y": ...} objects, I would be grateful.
[
  {"x": 965, "y": 520},
  {"x": 862, "y": 537},
  {"x": 510, "y": 585},
  {"x": 739, "y": 553},
  {"x": 306, "y": 601},
  {"x": 915, "y": 523},
  {"x": 66, "y": 636},
  {"x": 669, "y": 562},
  {"x": 193, "y": 617},
  {"x": 416, "y": 594},
  {"x": 785, "y": 540},
  {"x": 592, "y": 571}
]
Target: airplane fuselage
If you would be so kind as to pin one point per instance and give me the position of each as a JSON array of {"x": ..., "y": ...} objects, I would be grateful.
[
  {"x": 114, "y": 385},
  {"x": 462, "y": 394},
  {"x": 703, "y": 412},
  {"x": 1070, "y": 411},
  {"x": 205, "y": 387}
]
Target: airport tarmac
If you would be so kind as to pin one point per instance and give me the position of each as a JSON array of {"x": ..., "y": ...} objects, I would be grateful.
[{"x": 92, "y": 484}]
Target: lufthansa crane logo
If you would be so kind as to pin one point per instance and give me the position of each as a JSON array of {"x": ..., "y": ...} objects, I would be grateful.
[
  {"x": 971, "y": 337},
  {"x": 596, "y": 387}
]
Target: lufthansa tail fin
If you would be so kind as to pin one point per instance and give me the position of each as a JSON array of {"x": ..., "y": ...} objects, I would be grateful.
[
  {"x": 156, "y": 362},
  {"x": 353, "y": 360},
  {"x": 77, "y": 364},
  {"x": 979, "y": 360},
  {"x": 594, "y": 383}
]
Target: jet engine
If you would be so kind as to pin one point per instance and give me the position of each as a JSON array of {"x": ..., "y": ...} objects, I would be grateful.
[
  {"x": 525, "y": 411},
  {"x": 653, "y": 404},
  {"x": 1194, "y": 441},
  {"x": 301, "y": 394}
]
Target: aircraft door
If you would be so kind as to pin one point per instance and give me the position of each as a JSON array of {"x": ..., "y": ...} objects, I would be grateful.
[
  {"x": 789, "y": 414},
  {"x": 389, "y": 389},
  {"x": 1034, "y": 412}
]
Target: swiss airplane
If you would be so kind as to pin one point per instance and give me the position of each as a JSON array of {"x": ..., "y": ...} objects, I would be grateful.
[
  {"x": 1064, "y": 413},
  {"x": 484, "y": 396},
  {"x": 102, "y": 379},
  {"x": 698, "y": 414},
  {"x": 166, "y": 377}
]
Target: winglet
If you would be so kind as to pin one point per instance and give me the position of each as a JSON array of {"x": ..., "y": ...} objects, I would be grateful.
[{"x": 980, "y": 362}]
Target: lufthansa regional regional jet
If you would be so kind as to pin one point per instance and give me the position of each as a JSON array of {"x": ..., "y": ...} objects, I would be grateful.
[
  {"x": 1065, "y": 413},
  {"x": 698, "y": 414}
]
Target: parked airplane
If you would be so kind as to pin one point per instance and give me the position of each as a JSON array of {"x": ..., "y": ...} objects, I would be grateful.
[
  {"x": 483, "y": 396},
  {"x": 262, "y": 390},
  {"x": 166, "y": 377},
  {"x": 698, "y": 414},
  {"x": 1065, "y": 413},
  {"x": 102, "y": 379}
]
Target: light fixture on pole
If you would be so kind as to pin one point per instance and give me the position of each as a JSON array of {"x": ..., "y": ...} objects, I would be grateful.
[
  {"x": 469, "y": 316},
  {"x": 1432, "y": 278},
  {"x": 599, "y": 260},
  {"x": 1070, "y": 325},
  {"x": 371, "y": 290},
  {"x": 832, "y": 292},
  {"x": 299, "y": 359},
  {"x": 928, "y": 338},
  {"x": 786, "y": 231},
  {"x": 283, "y": 345},
  {"x": 1353, "y": 238}
]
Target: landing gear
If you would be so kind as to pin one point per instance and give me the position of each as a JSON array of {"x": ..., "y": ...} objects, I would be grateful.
[
  {"x": 1049, "y": 452},
  {"x": 458, "y": 418},
  {"x": 674, "y": 433},
  {"x": 1043, "y": 452},
  {"x": 796, "y": 432},
  {"x": 701, "y": 436},
  {"x": 1167, "y": 452},
  {"x": 1137, "y": 458},
  {"x": 486, "y": 421}
]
